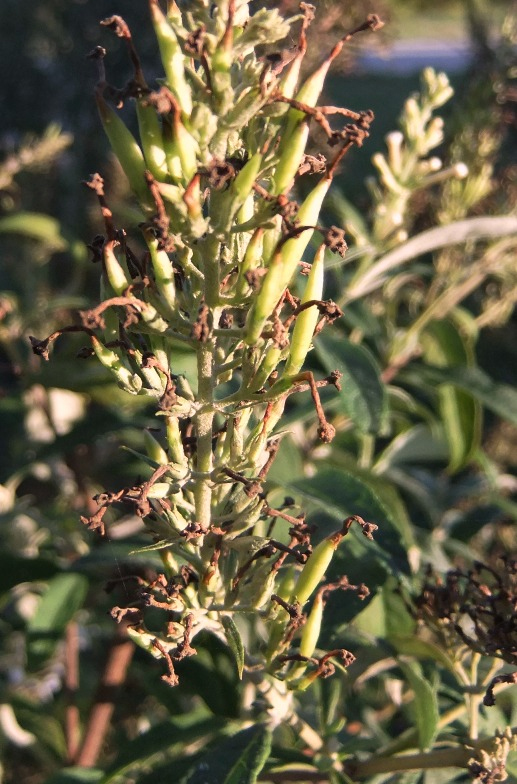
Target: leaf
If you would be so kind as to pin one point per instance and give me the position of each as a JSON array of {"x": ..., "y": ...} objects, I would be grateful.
[
  {"x": 433, "y": 239},
  {"x": 45, "y": 229},
  {"x": 76, "y": 776},
  {"x": 15, "y": 569},
  {"x": 65, "y": 594},
  {"x": 363, "y": 395},
  {"x": 425, "y": 704},
  {"x": 499, "y": 398},
  {"x": 460, "y": 412},
  {"x": 409, "y": 645},
  {"x": 234, "y": 642},
  {"x": 340, "y": 495},
  {"x": 235, "y": 760},
  {"x": 418, "y": 444},
  {"x": 162, "y": 743},
  {"x": 251, "y": 763}
]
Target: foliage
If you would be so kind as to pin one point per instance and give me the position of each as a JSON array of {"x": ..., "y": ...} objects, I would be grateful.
[{"x": 223, "y": 464}]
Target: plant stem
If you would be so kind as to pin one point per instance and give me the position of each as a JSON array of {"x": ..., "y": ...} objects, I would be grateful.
[
  {"x": 72, "y": 719},
  {"x": 204, "y": 427},
  {"x": 474, "y": 699},
  {"x": 113, "y": 677}
]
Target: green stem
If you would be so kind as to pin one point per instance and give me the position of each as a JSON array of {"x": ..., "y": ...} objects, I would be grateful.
[
  {"x": 474, "y": 699},
  {"x": 204, "y": 427},
  {"x": 457, "y": 757}
]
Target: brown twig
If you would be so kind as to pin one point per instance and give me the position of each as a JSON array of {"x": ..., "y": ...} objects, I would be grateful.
[
  {"x": 72, "y": 719},
  {"x": 114, "y": 675}
]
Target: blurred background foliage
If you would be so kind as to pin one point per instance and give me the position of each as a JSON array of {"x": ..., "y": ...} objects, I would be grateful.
[{"x": 427, "y": 419}]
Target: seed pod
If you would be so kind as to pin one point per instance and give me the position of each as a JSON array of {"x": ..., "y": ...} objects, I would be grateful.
[
  {"x": 306, "y": 321},
  {"x": 251, "y": 261},
  {"x": 309, "y": 638},
  {"x": 155, "y": 450},
  {"x": 290, "y": 154},
  {"x": 116, "y": 272},
  {"x": 126, "y": 149},
  {"x": 186, "y": 147},
  {"x": 163, "y": 272},
  {"x": 315, "y": 568},
  {"x": 151, "y": 136},
  {"x": 268, "y": 364},
  {"x": 174, "y": 440},
  {"x": 312, "y": 628},
  {"x": 172, "y": 58},
  {"x": 228, "y": 203},
  {"x": 129, "y": 381},
  {"x": 284, "y": 263},
  {"x": 243, "y": 183},
  {"x": 258, "y": 590}
]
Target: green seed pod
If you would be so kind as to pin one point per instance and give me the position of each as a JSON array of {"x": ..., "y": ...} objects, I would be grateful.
[
  {"x": 116, "y": 272},
  {"x": 171, "y": 153},
  {"x": 284, "y": 263},
  {"x": 112, "y": 324},
  {"x": 128, "y": 380},
  {"x": 290, "y": 155},
  {"x": 306, "y": 322},
  {"x": 257, "y": 591},
  {"x": 174, "y": 440},
  {"x": 172, "y": 58},
  {"x": 315, "y": 568},
  {"x": 163, "y": 272},
  {"x": 251, "y": 260},
  {"x": 126, "y": 149},
  {"x": 309, "y": 638},
  {"x": 151, "y": 136},
  {"x": 155, "y": 450},
  {"x": 186, "y": 148},
  {"x": 268, "y": 364},
  {"x": 312, "y": 628}
]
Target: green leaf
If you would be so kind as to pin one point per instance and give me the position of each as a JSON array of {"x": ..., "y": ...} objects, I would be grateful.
[
  {"x": 160, "y": 744},
  {"x": 65, "y": 594},
  {"x": 460, "y": 412},
  {"x": 15, "y": 569},
  {"x": 433, "y": 239},
  {"x": 409, "y": 645},
  {"x": 235, "y": 760},
  {"x": 45, "y": 229},
  {"x": 234, "y": 642},
  {"x": 76, "y": 776},
  {"x": 499, "y": 398},
  {"x": 363, "y": 395},
  {"x": 418, "y": 444},
  {"x": 425, "y": 704},
  {"x": 247, "y": 768},
  {"x": 340, "y": 495}
]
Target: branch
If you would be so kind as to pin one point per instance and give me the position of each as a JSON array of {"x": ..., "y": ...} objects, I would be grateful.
[{"x": 114, "y": 675}]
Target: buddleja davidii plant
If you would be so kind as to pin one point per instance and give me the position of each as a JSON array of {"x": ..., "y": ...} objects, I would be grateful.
[{"x": 222, "y": 141}]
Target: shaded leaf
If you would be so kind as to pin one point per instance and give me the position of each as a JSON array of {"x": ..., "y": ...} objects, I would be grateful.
[
  {"x": 15, "y": 569},
  {"x": 460, "y": 412},
  {"x": 425, "y": 704},
  {"x": 234, "y": 642},
  {"x": 161, "y": 743},
  {"x": 363, "y": 395},
  {"x": 236, "y": 760},
  {"x": 499, "y": 398},
  {"x": 64, "y": 595}
]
